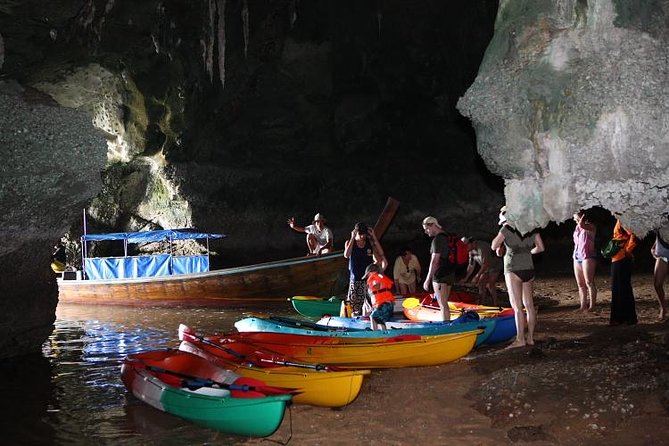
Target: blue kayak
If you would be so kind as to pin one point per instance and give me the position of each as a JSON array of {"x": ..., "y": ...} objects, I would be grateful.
[
  {"x": 276, "y": 324},
  {"x": 504, "y": 329}
]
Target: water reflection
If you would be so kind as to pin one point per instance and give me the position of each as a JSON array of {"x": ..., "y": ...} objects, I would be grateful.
[{"x": 73, "y": 393}]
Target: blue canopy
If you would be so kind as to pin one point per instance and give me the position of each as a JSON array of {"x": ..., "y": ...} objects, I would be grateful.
[{"x": 152, "y": 236}]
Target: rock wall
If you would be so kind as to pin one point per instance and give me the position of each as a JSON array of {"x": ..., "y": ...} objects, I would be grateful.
[
  {"x": 570, "y": 107},
  {"x": 51, "y": 162}
]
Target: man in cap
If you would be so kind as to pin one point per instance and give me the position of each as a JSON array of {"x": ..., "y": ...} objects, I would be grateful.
[
  {"x": 379, "y": 287},
  {"x": 440, "y": 275},
  {"x": 319, "y": 236}
]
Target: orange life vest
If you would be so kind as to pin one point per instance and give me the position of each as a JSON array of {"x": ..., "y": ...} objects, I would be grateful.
[{"x": 380, "y": 289}]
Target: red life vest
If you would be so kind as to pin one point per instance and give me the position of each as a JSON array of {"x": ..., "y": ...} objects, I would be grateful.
[{"x": 380, "y": 289}]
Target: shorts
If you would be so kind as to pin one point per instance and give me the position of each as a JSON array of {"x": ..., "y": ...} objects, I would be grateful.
[
  {"x": 357, "y": 293},
  {"x": 525, "y": 275},
  {"x": 383, "y": 313},
  {"x": 448, "y": 278}
]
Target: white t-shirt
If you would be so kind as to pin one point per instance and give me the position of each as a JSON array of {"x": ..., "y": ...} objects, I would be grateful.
[{"x": 323, "y": 236}]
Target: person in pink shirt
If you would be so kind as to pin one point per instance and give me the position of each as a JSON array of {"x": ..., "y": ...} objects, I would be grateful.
[{"x": 585, "y": 261}]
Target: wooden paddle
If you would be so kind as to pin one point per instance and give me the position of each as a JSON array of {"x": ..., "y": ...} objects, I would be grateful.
[{"x": 187, "y": 334}]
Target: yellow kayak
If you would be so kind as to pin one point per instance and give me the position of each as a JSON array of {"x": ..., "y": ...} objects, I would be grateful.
[
  {"x": 325, "y": 388},
  {"x": 400, "y": 351}
]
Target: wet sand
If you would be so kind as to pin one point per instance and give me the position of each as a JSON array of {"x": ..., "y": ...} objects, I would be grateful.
[{"x": 582, "y": 383}]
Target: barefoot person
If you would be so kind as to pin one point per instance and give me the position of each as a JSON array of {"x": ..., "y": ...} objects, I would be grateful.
[
  {"x": 441, "y": 274},
  {"x": 319, "y": 236},
  {"x": 660, "y": 251},
  {"x": 585, "y": 261},
  {"x": 519, "y": 275}
]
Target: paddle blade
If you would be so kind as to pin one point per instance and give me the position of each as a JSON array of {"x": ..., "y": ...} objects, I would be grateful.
[
  {"x": 410, "y": 302},
  {"x": 185, "y": 330}
]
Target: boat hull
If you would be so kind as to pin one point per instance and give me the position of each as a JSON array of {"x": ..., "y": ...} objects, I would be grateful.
[
  {"x": 257, "y": 417},
  {"x": 316, "y": 388},
  {"x": 505, "y": 328},
  {"x": 401, "y": 351},
  {"x": 282, "y": 328},
  {"x": 260, "y": 283}
]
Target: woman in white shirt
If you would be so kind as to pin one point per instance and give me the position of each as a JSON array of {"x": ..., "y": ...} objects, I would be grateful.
[{"x": 406, "y": 272}]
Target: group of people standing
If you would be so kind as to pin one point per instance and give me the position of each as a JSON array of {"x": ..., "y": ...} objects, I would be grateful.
[
  {"x": 509, "y": 252},
  {"x": 623, "y": 308}
]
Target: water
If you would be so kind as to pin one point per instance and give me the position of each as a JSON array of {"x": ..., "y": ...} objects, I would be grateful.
[{"x": 73, "y": 393}]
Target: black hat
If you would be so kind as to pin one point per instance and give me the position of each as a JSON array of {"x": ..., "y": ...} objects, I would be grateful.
[{"x": 361, "y": 227}]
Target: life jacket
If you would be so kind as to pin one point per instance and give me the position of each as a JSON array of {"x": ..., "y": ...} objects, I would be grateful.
[
  {"x": 458, "y": 251},
  {"x": 380, "y": 290}
]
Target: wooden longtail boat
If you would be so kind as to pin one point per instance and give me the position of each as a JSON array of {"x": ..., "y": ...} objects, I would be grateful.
[
  {"x": 399, "y": 351},
  {"x": 190, "y": 387},
  {"x": 317, "y": 386},
  {"x": 168, "y": 280}
]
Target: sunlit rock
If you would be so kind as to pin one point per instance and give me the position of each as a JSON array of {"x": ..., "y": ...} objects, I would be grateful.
[{"x": 570, "y": 107}]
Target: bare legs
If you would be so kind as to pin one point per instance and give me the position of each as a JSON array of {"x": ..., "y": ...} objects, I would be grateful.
[
  {"x": 490, "y": 282},
  {"x": 312, "y": 244},
  {"x": 441, "y": 292},
  {"x": 659, "y": 275},
  {"x": 406, "y": 289},
  {"x": 585, "y": 279},
  {"x": 521, "y": 294},
  {"x": 314, "y": 247}
]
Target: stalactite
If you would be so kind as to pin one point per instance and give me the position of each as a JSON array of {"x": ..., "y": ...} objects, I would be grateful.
[
  {"x": 245, "y": 24},
  {"x": 2, "y": 51},
  {"x": 379, "y": 19},
  {"x": 221, "y": 41},
  {"x": 208, "y": 43},
  {"x": 293, "y": 12}
]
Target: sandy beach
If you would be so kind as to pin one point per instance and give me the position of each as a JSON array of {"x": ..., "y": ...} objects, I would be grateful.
[{"x": 582, "y": 383}]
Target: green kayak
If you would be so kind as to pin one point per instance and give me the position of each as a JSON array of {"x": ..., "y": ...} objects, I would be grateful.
[
  {"x": 316, "y": 307},
  {"x": 218, "y": 399}
]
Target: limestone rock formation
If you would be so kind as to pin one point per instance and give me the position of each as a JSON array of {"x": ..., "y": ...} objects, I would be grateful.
[
  {"x": 571, "y": 107},
  {"x": 51, "y": 162}
]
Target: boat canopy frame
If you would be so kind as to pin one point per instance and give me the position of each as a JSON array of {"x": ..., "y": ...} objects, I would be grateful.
[{"x": 145, "y": 265}]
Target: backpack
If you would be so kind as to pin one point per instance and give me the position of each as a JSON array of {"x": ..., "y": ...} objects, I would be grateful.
[{"x": 458, "y": 252}]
